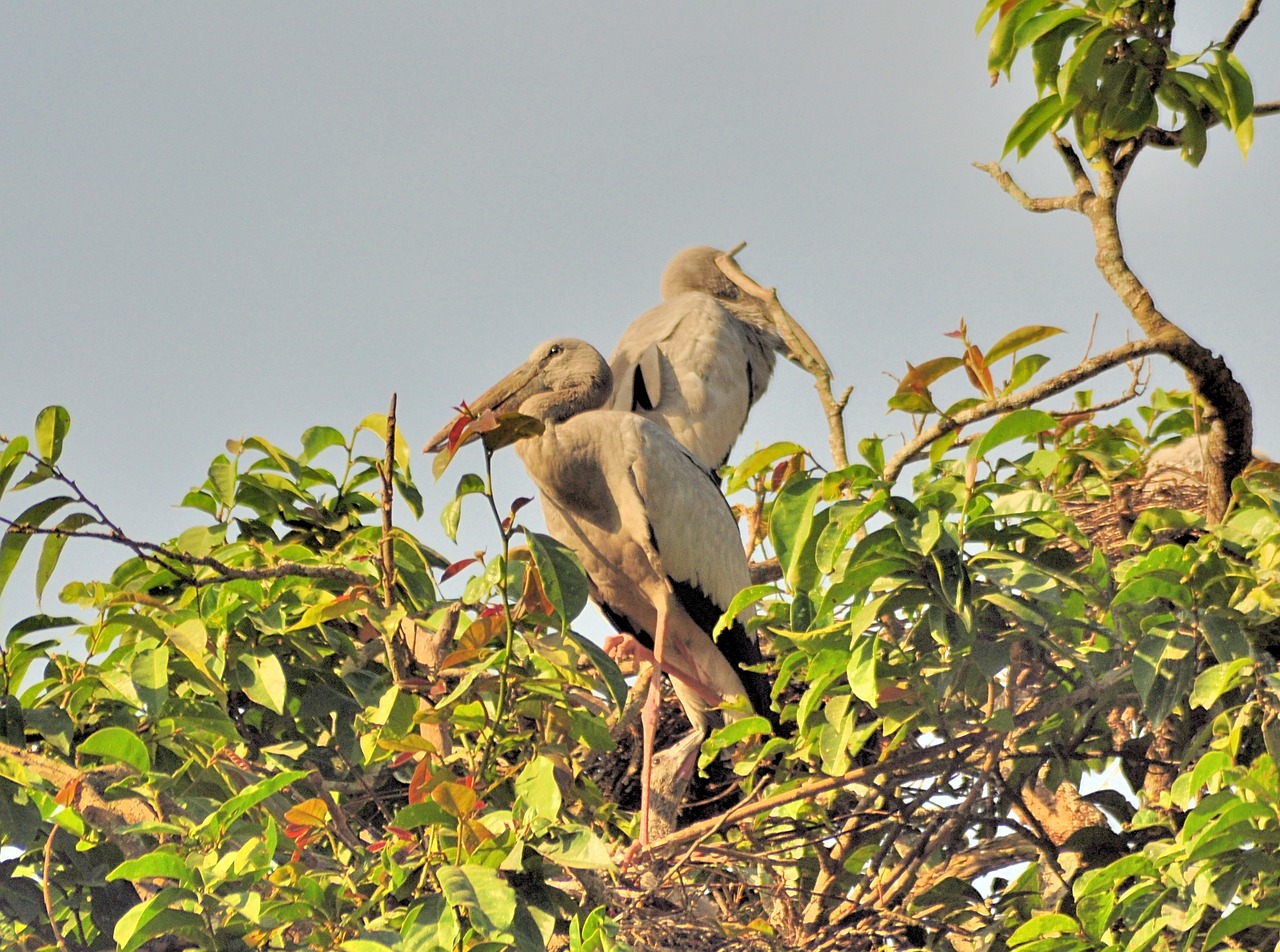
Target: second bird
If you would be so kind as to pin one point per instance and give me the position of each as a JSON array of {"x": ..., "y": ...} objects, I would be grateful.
[{"x": 699, "y": 361}]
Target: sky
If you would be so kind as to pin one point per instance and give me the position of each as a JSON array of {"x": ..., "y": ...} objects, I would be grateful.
[{"x": 239, "y": 219}]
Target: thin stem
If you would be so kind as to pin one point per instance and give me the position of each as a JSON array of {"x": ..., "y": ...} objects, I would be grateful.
[{"x": 504, "y": 669}]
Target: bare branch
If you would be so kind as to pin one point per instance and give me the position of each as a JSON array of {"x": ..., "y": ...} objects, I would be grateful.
[
  {"x": 1237, "y": 31},
  {"x": 801, "y": 349},
  {"x": 1006, "y": 182},
  {"x": 1023, "y": 398}
]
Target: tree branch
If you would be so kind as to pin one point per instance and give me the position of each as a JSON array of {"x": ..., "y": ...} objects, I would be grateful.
[
  {"x": 801, "y": 349},
  {"x": 1005, "y": 181},
  {"x": 149, "y": 551},
  {"x": 1023, "y": 398},
  {"x": 1246, "y": 18}
]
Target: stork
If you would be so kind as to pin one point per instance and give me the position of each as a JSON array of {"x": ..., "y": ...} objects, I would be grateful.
[
  {"x": 658, "y": 541},
  {"x": 699, "y": 361}
]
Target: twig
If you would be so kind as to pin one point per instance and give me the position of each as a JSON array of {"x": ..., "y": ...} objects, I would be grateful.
[
  {"x": 1023, "y": 398},
  {"x": 1237, "y": 31},
  {"x": 150, "y": 552},
  {"x": 1005, "y": 181},
  {"x": 801, "y": 349},
  {"x": 920, "y": 764},
  {"x": 388, "y": 497},
  {"x": 48, "y": 896}
]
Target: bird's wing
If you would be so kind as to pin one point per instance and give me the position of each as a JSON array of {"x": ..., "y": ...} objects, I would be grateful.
[{"x": 690, "y": 523}]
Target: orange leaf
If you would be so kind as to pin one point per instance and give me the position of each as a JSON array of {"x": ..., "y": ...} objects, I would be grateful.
[
  {"x": 67, "y": 795},
  {"x": 418, "y": 783},
  {"x": 313, "y": 812}
]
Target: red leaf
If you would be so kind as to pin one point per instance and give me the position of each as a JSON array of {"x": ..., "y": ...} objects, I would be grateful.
[{"x": 455, "y": 568}]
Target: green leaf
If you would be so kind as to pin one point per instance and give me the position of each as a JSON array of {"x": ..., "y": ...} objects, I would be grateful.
[
  {"x": 1079, "y": 74},
  {"x": 791, "y": 529},
  {"x": 1212, "y": 683},
  {"x": 1036, "y": 122},
  {"x": 1013, "y": 426},
  {"x": 536, "y": 787},
  {"x": 1026, "y": 368},
  {"x": 1004, "y": 47},
  {"x": 1020, "y": 339},
  {"x": 150, "y": 674},
  {"x": 14, "y": 452},
  {"x": 615, "y": 683},
  {"x": 748, "y": 596},
  {"x": 51, "y": 428},
  {"x": 583, "y": 850},
  {"x": 222, "y": 480},
  {"x": 757, "y": 463},
  {"x": 118, "y": 745},
  {"x": 490, "y": 903},
  {"x": 51, "y": 551},
  {"x": 1239, "y": 919},
  {"x": 318, "y": 439},
  {"x": 234, "y": 807},
  {"x": 563, "y": 580},
  {"x": 15, "y": 541},
  {"x": 1163, "y": 665},
  {"x": 452, "y": 513},
  {"x": 1039, "y": 926},
  {"x": 162, "y": 863},
  {"x": 861, "y": 671},
  {"x": 263, "y": 679}
]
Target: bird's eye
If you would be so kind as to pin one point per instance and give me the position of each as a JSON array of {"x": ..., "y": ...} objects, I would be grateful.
[{"x": 555, "y": 349}]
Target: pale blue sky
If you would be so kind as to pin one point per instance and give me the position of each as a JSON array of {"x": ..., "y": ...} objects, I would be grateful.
[{"x": 237, "y": 219}]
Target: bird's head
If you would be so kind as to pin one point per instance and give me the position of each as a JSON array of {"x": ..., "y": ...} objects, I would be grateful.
[
  {"x": 695, "y": 269},
  {"x": 561, "y": 378}
]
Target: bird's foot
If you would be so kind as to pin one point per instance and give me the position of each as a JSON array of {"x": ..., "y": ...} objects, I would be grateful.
[{"x": 621, "y": 647}]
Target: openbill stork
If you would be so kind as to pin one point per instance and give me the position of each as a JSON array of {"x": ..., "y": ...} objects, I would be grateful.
[
  {"x": 699, "y": 361},
  {"x": 658, "y": 541}
]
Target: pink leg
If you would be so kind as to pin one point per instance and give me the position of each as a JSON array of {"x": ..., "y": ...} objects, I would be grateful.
[
  {"x": 649, "y": 720},
  {"x": 619, "y": 646}
]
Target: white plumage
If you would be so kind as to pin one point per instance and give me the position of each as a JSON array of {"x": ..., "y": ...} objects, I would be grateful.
[
  {"x": 658, "y": 542},
  {"x": 699, "y": 361}
]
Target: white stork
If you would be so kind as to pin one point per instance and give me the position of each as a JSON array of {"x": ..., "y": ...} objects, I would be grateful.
[
  {"x": 699, "y": 361},
  {"x": 658, "y": 541}
]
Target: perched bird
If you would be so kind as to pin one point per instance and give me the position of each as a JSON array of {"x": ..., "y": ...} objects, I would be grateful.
[
  {"x": 699, "y": 361},
  {"x": 658, "y": 541}
]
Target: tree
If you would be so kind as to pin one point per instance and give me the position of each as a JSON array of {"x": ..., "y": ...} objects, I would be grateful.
[{"x": 279, "y": 735}]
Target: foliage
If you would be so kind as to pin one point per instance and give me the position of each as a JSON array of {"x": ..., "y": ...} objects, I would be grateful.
[
  {"x": 277, "y": 783},
  {"x": 274, "y": 731},
  {"x": 1109, "y": 68}
]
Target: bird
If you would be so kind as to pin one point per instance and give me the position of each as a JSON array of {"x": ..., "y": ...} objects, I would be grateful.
[
  {"x": 699, "y": 361},
  {"x": 656, "y": 538}
]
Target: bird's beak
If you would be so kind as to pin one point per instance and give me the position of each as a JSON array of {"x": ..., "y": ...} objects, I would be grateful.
[{"x": 481, "y": 415}]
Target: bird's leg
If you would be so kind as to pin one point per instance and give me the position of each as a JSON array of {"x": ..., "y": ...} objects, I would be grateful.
[
  {"x": 623, "y": 646},
  {"x": 649, "y": 717}
]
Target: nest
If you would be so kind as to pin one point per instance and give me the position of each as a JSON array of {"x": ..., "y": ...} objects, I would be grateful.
[{"x": 1174, "y": 479}]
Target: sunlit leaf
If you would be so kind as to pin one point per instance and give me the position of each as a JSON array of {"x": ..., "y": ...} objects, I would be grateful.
[
  {"x": 1020, "y": 339},
  {"x": 1013, "y": 426},
  {"x": 52, "y": 425},
  {"x": 118, "y": 745},
  {"x": 262, "y": 679},
  {"x": 15, "y": 540}
]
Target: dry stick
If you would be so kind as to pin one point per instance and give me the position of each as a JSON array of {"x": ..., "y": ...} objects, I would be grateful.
[
  {"x": 1023, "y": 398},
  {"x": 925, "y": 761},
  {"x": 801, "y": 349}
]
